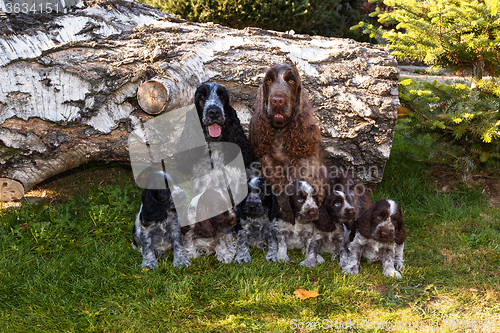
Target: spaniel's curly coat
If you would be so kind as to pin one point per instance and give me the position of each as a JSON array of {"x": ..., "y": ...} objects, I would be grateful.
[{"x": 285, "y": 134}]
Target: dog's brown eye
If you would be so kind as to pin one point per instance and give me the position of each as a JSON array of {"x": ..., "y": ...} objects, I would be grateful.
[
  {"x": 291, "y": 81},
  {"x": 201, "y": 98},
  {"x": 268, "y": 81}
]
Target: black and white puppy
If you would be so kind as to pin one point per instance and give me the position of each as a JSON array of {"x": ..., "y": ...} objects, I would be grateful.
[
  {"x": 302, "y": 203},
  {"x": 259, "y": 222},
  {"x": 378, "y": 235},
  {"x": 212, "y": 233},
  {"x": 157, "y": 227}
]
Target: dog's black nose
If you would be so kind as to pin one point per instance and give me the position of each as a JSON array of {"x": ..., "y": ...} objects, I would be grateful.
[
  {"x": 251, "y": 205},
  {"x": 214, "y": 112}
]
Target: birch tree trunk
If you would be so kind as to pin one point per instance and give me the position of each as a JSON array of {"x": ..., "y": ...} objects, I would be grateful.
[{"x": 68, "y": 86}]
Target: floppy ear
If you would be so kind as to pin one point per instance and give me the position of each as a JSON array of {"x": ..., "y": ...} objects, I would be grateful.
[
  {"x": 363, "y": 223},
  {"x": 303, "y": 134},
  {"x": 261, "y": 131},
  {"x": 285, "y": 208},
  {"x": 401, "y": 231},
  {"x": 154, "y": 204},
  {"x": 274, "y": 206},
  {"x": 324, "y": 222},
  {"x": 204, "y": 229}
]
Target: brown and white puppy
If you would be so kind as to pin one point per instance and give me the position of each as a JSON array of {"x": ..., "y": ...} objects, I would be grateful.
[
  {"x": 378, "y": 234},
  {"x": 211, "y": 234},
  {"x": 302, "y": 203},
  {"x": 343, "y": 203}
]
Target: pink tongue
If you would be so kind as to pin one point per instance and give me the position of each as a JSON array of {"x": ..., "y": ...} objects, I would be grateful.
[
  {"x": 278, "y": 115},
  {"x": 214, "y": 130}
]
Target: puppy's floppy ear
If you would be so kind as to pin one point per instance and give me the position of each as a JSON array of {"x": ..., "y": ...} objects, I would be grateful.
[
  {"x": 154, "y": 204},
  {"x": 204, "y": 229},
  {"x": 324, "y": 222},
  {"x": 401, "y": 230},
  {"x": 273, "y": 205},
  {"x": 363, "y": 223},
  {"x": 285, "y": 208}
]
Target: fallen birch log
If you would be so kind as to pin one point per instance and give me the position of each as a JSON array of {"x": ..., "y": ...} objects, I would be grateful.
[{"x": 69, "y": 86}]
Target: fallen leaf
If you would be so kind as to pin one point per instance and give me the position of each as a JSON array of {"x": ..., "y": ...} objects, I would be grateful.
[
  {"x": 138, "y": 277},
  {"x": 23, "y": 226},
  {"x": 303, "y": 294},
  {"x": 473, "y": 290},
  {"x": 144, "y": 270}
]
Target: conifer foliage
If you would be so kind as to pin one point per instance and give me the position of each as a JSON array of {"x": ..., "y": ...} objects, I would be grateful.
[
  {"x": 463, "y": 35},
  {"x": 459, "y": 33}
]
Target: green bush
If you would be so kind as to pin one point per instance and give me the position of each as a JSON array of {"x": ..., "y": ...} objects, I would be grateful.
[
  {"x": 464, "y": 122},
  {"x": 281, "y": 15},
  {"x": 315, "y": 17}
]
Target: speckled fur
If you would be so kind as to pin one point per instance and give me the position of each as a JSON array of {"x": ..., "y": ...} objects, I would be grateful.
[
  {"x": 378, "y": 235},
  {"x": 154, "y": 238}
]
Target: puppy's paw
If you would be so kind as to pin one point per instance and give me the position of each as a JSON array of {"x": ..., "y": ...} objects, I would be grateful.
[
  {"x": 150, "y": 264},
  {"x": 320, "y": 259},
  {"x": 399, "y": 265},
  {"x": 272, "y": 256},
  {"x": 283, "y": 257},
  {"x": 181, "y": 261},
  {"x": 343, "y": 261},
  {"x": 243, "y": 257},
  {"x": 310, "y": 262},
  {"x": 393, "y": 274},
  {"x": 225, "y": 259},
  {"x": 352, "y": 269}
]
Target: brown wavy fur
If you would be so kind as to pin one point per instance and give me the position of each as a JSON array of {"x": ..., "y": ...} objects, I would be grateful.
[{"x": 300, "y": 139}]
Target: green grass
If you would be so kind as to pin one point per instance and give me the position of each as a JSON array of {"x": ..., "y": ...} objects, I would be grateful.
[{"x": 69, "y": 267}]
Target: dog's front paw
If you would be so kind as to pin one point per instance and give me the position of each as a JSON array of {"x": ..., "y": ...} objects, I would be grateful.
[
  {"x": 343, "y": 261},
  {"x": 353, "y": 269},
  {"x": 272, "y": 256},
  {"x": 283, "y": 257},
  {"x": 310, "y": 262},
  {"x": 399, "y": 265},
  {"x": 150, "y": 264},
  {"x": 224, "y": 259},
  {"x": 393, "y": 274},
  {"x": 320, "y": 259},
  {"x": 243, "y": 257},
  {"x": 181, "y": 261}
]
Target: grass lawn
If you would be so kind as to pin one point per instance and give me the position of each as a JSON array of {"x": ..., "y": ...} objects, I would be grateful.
[{"x": 68, "y": 266}]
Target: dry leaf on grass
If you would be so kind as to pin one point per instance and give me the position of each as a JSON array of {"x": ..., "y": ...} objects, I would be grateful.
[
  {"x": 303, "y": 294},
  {"x": 473, "y": 290}
]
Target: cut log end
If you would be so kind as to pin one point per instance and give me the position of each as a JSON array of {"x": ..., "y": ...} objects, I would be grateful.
[
  {"x": 152, "y": 96},
  {"x": 10, "y": 189}
]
